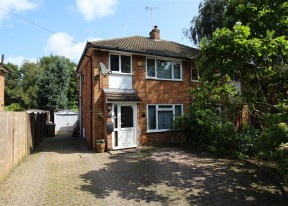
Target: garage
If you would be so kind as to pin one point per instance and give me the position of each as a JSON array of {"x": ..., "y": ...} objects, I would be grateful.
[{"x": 66, "y": 121}]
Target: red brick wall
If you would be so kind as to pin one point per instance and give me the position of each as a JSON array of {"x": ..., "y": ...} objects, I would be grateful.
[
  {"x": 158, "y": 92},
  {"x": 86, "y": 92},
  {"x": 99, "y": 105},
  {"x": 1, "y": 91}
]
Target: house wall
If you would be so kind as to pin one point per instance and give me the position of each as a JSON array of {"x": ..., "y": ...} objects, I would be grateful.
[
  {"x": 159, "y": 92},
  {"x": 99, "y": 106},
  {"x": 2, "y": 91},
  {"x": 86, "y": 93},
  {"x": 150, "y": 91}
]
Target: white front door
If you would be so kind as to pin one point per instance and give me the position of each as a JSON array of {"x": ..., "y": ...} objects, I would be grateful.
[{"x": 124, "y": 118}]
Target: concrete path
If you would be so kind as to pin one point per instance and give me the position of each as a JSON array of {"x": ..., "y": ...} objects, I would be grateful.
[{"x": 63, "y": 172}]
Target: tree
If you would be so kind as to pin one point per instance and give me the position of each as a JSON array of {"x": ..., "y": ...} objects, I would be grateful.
[
  {"x": 210, "y": 17},
  {"x": 259, "y": 62},
  {"x": 259, "y": 15},
  {"x": 54, "y": 83},
  {"x": 73, "y": 91},
  {"x": 13, "y": 90},
  {"x": 30, "y": 73}
]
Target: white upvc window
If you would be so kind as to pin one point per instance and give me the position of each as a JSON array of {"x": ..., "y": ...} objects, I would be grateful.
[
  {"x": 163, "y": 69},
  {"x": 160, "y": 116},
  {"x": 120, "y": 63},
  {"x": 194, "y": 74}
]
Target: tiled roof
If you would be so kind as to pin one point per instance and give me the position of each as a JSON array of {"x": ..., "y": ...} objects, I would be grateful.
[
  {"x": 122, "y": 95},
  {"x": 145, "y": 45},
  {"x": 4, "y": 69}
]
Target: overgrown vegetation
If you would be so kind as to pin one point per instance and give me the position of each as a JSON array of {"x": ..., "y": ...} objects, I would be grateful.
[
  {"x": 247, "y": 45},
  {"x": 50, "y": 84}
]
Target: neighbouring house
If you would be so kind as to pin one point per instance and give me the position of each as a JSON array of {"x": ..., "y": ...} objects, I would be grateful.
[
  {"x": 3, "y": 71},
  {"x": 131, "y": 89}
]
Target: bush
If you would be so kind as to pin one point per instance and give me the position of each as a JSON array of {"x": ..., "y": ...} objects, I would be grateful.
[
  {"x": 281, "y": 158},
  {"x": 237, "y": 144},
  {"x": 275, "y": 134},
  {"x": 14, "y": 107}
]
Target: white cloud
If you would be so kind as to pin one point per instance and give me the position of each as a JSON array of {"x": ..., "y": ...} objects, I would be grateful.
[
  {"x": 93, "y": 9},
  {"x": 15, "y": 6},
  {"x": 63, "y": 44},
  {"x": 19, "y": 60}
]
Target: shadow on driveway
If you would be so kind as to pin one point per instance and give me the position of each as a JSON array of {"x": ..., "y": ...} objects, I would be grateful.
[{"x": 171, "y": 176}]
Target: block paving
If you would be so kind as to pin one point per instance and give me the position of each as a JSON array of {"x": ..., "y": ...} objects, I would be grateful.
[{"x": 62, "y": 171}]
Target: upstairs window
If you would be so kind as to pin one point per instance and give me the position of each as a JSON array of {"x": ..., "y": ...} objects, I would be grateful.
[
  {"x": 194, "y": 74},
  {"x": 163, "y": 69},
  {"x": 120, "y": 63}
]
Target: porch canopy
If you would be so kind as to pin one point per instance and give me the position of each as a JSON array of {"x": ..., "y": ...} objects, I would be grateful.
[{"x": 121, "y": 95}]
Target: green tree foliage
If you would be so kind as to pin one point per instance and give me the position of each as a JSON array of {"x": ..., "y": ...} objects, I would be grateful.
[
  {"x": 251, "y": 46},
  {"x": 13, "y": 89},
  {"x": 54, "y": 83},
  {"x": 73, "y": 90},
  {"x": 258, "y": 15},
  {"x": 210, "y": 17},
  {"x": 26, "y": 87},
  {"x": 30, "y": 73},
  {"x": 259, "y": 62}
]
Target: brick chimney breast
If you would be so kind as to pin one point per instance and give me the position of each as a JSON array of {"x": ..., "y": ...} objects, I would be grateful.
[{"x": 155, "y": 33}]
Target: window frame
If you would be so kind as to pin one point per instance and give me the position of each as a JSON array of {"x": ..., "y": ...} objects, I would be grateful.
[
  {"x": 198, "y": 76},
  {"x": 159, "y": 109},
  {"x": 173, "y": 62},
  {"x": 120, "y": 63}
]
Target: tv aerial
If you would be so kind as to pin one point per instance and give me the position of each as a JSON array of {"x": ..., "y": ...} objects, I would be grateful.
[{"x": 148, "y": 8}]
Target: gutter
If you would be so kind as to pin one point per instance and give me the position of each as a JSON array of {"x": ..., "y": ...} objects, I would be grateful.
[{"x": 87, "y": 46}]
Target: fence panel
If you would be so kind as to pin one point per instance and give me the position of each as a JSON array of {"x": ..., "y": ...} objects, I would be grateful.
[
  {"x": 20, "y": 133},
  {"x": 6, "y": 144}
]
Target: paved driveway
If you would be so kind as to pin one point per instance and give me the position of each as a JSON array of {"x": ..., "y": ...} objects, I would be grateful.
[{"x": 63, "y": 172}]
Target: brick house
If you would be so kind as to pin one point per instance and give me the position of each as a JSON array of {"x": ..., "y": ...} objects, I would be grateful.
[
  {"x": 3, "y": 71},
  {"x": 130, "y": 89}
]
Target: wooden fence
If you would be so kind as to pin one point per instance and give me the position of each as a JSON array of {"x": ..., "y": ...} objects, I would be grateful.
[{"x": 20, "y": 133}]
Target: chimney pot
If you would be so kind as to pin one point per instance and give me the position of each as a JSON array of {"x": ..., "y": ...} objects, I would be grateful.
[
  {"x": 155, "y": 33},
  {"x": 2, "y": 59}
]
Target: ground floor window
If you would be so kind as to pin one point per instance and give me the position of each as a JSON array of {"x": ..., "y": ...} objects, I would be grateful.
[{"x": 160, "y": 116}]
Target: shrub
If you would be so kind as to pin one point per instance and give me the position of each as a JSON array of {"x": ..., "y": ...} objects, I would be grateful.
[
  {"x": 14, "y": 107},
  {"x": 275, "y": 134},
  {"x": 237, "y": 144},
  {"x": 281, "y": 158}
]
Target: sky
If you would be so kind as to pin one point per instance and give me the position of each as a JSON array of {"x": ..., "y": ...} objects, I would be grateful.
[{"x": 31, "y": 29}]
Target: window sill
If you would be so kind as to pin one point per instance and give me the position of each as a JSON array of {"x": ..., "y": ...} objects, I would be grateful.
[
  {"x": 174, "y": 80},
  {"x": 158, "y": 131},
  {"x": 118, "y": 73}
]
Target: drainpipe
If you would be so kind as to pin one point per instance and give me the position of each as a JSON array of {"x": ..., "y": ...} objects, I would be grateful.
[
  {"x": 91, "y": 100},
  {"x": 80, "y": 106}
]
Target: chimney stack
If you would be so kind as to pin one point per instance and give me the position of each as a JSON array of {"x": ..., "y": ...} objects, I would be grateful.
[
  {"x": 2, "y": 59},
  {"x": 155, "y": 33}
]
